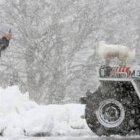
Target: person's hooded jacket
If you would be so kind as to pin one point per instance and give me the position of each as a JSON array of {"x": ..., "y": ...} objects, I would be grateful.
[{"x": 4, "y": 41}]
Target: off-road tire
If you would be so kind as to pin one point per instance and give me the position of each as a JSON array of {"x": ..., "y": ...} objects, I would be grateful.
[{"x": 113, "y": 109}]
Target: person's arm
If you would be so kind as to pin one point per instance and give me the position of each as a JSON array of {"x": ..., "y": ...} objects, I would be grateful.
[{"x": 4, "y": 44}]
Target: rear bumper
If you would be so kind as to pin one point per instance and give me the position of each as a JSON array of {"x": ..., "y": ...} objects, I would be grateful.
[{"x": 117, "y": 79}]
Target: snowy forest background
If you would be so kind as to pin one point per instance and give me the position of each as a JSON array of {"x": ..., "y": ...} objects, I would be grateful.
[{"x": 52, "y": 54}]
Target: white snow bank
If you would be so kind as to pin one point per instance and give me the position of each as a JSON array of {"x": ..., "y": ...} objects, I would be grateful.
[
  {"x": 19, "y": 116},
  {"x": 11, "y": 100}
]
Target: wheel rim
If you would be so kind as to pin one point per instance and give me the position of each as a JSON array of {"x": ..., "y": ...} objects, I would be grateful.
[{"x": 110, "y": 113}]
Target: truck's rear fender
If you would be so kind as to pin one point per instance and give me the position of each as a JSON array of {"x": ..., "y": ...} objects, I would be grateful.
[
  {"x": 121, "y": 87},
  {"x": 117, "y": 85},
  {"x": 108, "y": 86}
]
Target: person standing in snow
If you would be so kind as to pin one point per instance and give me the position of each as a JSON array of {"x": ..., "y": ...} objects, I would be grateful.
[{"x": 4, "y": 41}]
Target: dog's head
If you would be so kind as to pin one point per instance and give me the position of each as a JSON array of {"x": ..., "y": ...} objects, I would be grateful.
[{"x": 8, "y": 35}]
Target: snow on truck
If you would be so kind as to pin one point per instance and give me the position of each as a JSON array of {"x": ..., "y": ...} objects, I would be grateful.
[{"x": 114, "y": 108}]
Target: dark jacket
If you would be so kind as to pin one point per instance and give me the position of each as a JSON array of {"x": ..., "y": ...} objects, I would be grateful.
[{"x": 4, "y": 43}]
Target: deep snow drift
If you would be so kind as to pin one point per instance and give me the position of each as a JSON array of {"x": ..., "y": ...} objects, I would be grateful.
[{"x": 19, "y": 116}]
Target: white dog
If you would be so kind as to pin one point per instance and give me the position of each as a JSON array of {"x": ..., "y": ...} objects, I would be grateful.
[{"x": 109, "y": 52}]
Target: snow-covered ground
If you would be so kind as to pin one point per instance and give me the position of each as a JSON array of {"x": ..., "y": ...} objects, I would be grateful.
[
  {"x": 19, "y": 116},
  {"x": 22, "y": 119}
]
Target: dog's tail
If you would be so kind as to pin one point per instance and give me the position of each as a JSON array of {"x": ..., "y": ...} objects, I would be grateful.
[{"x": 132, "y": 54}]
